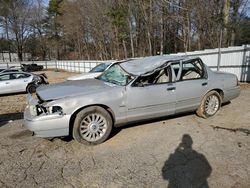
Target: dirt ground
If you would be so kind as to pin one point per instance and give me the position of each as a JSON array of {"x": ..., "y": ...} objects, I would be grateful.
[{"x": 174, "y": 152}]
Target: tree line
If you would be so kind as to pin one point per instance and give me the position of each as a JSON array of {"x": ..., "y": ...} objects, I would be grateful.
[{"x": 117, "y": 29}]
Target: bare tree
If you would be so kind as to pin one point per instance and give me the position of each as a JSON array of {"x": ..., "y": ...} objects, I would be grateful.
[{"x": 116, "y": 29}]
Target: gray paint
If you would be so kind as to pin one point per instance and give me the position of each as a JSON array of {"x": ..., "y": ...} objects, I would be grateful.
[{"x": 126, "y": 103}]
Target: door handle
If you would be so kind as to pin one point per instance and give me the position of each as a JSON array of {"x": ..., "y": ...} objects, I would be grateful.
[
  {"x": 204, "y": 84},
  {"x": 171, "y": 88},
  {"x": 25, "y": 81},
  {"x": 6, "y": 82}
]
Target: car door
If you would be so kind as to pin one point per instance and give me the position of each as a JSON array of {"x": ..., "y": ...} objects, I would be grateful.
[
  {"x": 191, "y": 85},
  {"x": 19, "y": 82},
  {"x": 5, "y": 83},
  {"x": 151, "y": 99}
]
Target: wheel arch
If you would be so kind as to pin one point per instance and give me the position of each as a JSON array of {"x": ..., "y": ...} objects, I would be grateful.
[
  {"x": 220, "y": 91},
  {"x": 200, "y": 109},
  {"x": 29, "y": 84},
  {"x": 73, "y": 116}
]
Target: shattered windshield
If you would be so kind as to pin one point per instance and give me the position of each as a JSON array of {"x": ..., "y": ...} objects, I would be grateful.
[
  {"x": 100, "y": 68},
  {"x": 116, "y": 75}
]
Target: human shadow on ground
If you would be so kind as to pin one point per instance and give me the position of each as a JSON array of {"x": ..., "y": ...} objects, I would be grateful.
[{"x": 186, "y": 168}]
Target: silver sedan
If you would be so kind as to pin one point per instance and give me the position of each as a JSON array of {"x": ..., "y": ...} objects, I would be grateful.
[{"x": 129, "y": 91}]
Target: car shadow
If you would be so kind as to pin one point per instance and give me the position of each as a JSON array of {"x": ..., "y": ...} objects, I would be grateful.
[
  {"x": 186, "y": 167},
  {"x": 155, "y": 120},
  {"x": 225, "y": 104},
  {"x": 5, "y": 118},
  {"x": 12, "y": 94},
  {"x": 69, "y": 138},
  {"x": 116, "y": 130}
]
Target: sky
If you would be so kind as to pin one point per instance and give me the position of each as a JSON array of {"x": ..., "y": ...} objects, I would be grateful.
[{"x": 46, "y": 2}]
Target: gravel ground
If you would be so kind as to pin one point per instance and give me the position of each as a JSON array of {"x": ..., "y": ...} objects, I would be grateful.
[{"x": 175, "y": 152}]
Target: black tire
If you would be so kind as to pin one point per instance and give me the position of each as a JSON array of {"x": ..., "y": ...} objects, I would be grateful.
[
  {"x": 82, "y": 116},
  {"x": 31, "y": 88},
  {"x": 202, "y": 110}
]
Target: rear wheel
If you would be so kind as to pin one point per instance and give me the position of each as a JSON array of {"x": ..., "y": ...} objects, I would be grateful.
[
  {"x": 92, "y": 125},
  {"x": 210, "y": 104},
  {"x": 31, "y": 88}
]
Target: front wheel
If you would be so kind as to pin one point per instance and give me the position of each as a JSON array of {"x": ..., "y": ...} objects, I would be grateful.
[
  {"x": 92, "y": 125},
  {"x": 210, "y": 104}
]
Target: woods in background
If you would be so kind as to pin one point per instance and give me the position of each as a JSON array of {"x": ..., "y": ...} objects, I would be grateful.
[{"x": 117, "y": 29}]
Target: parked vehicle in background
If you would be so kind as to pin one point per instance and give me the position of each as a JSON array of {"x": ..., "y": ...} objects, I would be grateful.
[
  {"x": 96, "y": 71},
  {"x": 10, "y": 69},
  {"x": 14, "y": 82},
  {"x": 128, "y": 91},
  {"x": 31, "y": 67}
]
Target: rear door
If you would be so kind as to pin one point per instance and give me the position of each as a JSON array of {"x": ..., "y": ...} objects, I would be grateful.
[
  {"x": 191, "y": 85},
  {"x": 19, "y": 81}
]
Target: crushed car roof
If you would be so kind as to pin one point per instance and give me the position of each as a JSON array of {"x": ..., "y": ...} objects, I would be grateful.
[{"x": 147, "y": 64}]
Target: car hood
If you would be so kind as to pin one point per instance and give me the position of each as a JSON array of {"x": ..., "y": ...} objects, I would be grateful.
[
  {"x": 72, "y": 88},
  {"x": 84, "y": 76}
]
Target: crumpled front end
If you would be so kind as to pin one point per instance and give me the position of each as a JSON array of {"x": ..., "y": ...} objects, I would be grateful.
[{"x": 44, "y": 119}]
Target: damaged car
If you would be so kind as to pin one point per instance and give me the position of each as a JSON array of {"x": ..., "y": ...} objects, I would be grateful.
[
  {"x": 16, "y": 82},
  {"x": 129, "y": 91}
]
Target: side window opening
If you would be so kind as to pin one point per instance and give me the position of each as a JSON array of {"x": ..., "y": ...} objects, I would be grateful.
[
  {"x": 20, "y": 76},
  {"x": 159, "y": 77},
  {"x": 192, "y": 70},
  {"x": 5, "y": 77},
  {"x": 12, "y": 76},
  {"x": 176, "y": 67}
]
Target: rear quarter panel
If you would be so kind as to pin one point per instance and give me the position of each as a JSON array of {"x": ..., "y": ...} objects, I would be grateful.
[{"x": 226, "y": 82}]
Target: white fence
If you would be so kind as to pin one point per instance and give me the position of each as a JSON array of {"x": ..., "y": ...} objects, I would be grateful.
[
  {"x": 68, "y": 65},
  {"x": 77, "y": 66},
  {"x": 235, "y": 60}
]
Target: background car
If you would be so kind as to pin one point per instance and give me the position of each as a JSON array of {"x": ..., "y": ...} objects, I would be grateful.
[
  {"x": 10, "y": 69},
  {"x": 14, "y": 82},
  {"x": 96, "y": 71},
  {"x": 128, "y": 91},
  {"x": 31, "y": 67}
]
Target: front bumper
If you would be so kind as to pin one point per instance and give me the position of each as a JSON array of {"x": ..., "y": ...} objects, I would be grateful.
[{"x": 47, "y": 125}]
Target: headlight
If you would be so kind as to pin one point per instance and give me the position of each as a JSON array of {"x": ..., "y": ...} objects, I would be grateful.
[
  {"x": 32, "y": 110},
  {"x": 38, "y": 110},
  {"x": 54, "y": 109}
]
